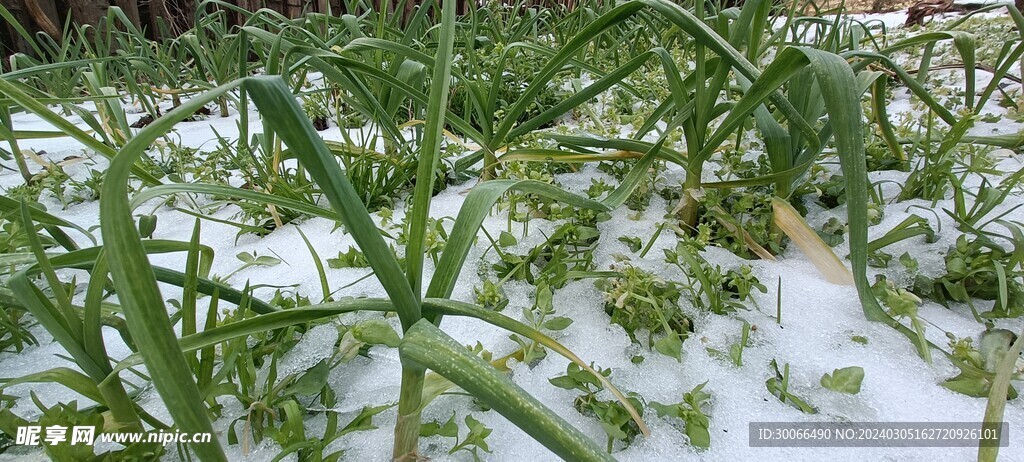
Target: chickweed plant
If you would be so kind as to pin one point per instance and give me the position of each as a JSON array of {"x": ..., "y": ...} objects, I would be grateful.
[{"x": 719, "y": 125}]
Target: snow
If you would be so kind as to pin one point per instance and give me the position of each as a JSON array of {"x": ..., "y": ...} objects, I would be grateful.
[
  {"x": 819, "y": 320},
  {"x": 315, "y": 346}
]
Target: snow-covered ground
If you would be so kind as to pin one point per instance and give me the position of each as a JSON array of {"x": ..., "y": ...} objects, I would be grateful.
[{"x": 819, "y": 321}]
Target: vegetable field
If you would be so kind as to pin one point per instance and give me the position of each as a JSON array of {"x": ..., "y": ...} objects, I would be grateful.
[{"x": 605, "y": 231}]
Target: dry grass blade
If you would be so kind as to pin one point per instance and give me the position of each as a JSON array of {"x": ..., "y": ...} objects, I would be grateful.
[
  {"x": 791, "y": 223},
  {"x": 988, "y": 451}
]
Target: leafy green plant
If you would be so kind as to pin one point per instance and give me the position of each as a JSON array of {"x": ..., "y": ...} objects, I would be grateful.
[
  {"x": 421, "y": 98},
  {"x": 901, "y": 304},
  {"x": 490, "y": 295},
  {"x": 315, "y": 106},
  {"x": 423, "y": 345},
  {"x": 640, "y": 301},
  {"x": 691, "y": 411},
  {"x": 778, "y": 386},
  {"x": 474, "y": 441},
  {"x": 352, "y": 258},
  {"x": 976, "y": 267},
  {"x": 613, "y": 416},
  {"x": 978, "y": 366},
  {"x": 250, "y": 260},
  {"x": 845, "y": 380},
  {"x": 540, "y": 317},
  {"x": 725, "y": 291}
]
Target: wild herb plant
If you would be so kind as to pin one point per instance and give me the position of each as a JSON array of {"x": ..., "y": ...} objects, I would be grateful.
[
  {"x": 778, "y": 386},
  {"x": 977, "y": 268},
  {"x": 423, "y": 345},
  {"x": 978, "y": 364},
  {"x": 846, "y": 380},
  {"x": 474, "y": 441},
  {"x": 691, "y": 411},
  {"x": 614, "y": 417},
  {"x": 396, "y": 83},
  {"x": 725, "y": 292},
  {"x": 643, "y": 302}
]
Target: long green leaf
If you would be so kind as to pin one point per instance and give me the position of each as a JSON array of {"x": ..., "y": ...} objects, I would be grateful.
[
  {"x": 236, "y": 193},
  {"x": 137, "y": 288},
  {"x": 76, "y": 381},
  {"x": 272, "y": 96},
  {"x": 430, "y": 153},
  {"x": 482, "y": 197},
  {"x": 30, "y": 104},
  {"x": 426, "y": 345},
  {"x": 989, "y": 451}
]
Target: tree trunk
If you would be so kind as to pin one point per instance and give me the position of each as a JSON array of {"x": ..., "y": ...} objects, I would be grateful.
[
  {"x": 157, "y": 13},
  {"x": 17, "y": 43},
  {"x": 88, "y": 12},
  {"x": 408, "y": 11},
  {"x": 44, "y": 13},
  {"x": 131, "y": 10}
]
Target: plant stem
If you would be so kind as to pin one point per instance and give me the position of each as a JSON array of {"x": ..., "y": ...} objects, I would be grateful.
[
  {"x": 222, "y": 102},
  {"x": 19, "y": 158},
  {"x": 490, "y": 163},
  {"x": 121, "y": 407},
  {"x": 650, "y": 244},
  {"x": 688, "y": 208},
  {"x": 407, "y": 428}
]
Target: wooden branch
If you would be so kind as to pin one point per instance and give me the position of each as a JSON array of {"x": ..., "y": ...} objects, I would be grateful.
[{"x": 42, "y": 19}]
